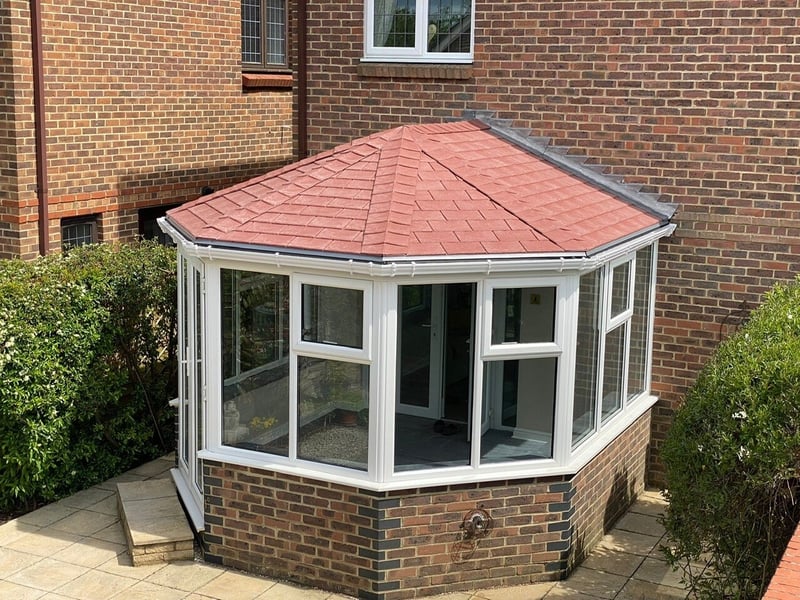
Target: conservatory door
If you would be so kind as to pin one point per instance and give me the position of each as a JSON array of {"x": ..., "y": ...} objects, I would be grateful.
[{"x": 191, "y": 397}]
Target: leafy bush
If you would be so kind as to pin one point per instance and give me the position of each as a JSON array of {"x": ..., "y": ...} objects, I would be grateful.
[
  {"x": 733, "y": 453},
  {"x": 87, "y": 364}
]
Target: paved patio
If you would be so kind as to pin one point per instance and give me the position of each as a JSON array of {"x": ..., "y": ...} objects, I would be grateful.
[{"x": 75, "y": 549}]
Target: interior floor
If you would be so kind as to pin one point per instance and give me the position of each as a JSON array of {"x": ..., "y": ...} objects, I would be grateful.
[{"x": 422, "y": 443}]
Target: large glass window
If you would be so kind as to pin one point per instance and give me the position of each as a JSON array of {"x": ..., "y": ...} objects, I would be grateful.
[
  {"x": 333, "y": 412},
  {"x": 264, "y": 34},
  {"x": 255, "y": 347},
  {"x": 640, "y": 323},
  {"x": 420, "y": 29},
  {"x": 521, "y": 400},
  {"x": 586, "y": 356}
]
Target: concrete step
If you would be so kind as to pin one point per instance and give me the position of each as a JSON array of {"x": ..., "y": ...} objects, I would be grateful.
[{"x": 154, "y": 522}]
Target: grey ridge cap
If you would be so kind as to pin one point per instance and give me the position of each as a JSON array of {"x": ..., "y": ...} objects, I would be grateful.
[{"x": 541, "y": 147}]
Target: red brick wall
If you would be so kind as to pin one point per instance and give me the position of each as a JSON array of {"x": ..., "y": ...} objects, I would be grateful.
[
  {"x": 695, "y": 99},
  {"x": 409, "y": 543},
  {"x": 144, "y": 107}
]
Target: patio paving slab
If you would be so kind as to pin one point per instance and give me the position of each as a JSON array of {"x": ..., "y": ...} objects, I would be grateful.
[{"x": 76, "y": 549}]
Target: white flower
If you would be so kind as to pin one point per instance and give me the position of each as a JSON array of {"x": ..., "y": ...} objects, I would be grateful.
[
  {"x": 740, "y": 415},
  {"x": 743, "y": 453}
]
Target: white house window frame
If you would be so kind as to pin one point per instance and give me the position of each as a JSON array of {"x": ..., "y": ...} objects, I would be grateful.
[{"x": 418, "y": 53}]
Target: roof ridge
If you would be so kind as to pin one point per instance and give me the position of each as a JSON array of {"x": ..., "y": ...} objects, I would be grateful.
[
  {"x": 490, "y": 196},
  {"x": 385, "y": 208}
]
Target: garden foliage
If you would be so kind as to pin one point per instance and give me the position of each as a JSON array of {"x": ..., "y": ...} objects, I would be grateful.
[
  {"x": 87, "y": 366},
  {"x": 732, "y": 456}
]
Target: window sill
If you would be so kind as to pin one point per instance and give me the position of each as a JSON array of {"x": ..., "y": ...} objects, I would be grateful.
[
  {"x": 260, "y": 81},
  {"x": 414, "y": 70}
]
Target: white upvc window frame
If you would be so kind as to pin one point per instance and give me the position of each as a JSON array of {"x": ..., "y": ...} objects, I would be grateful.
[
  {"x": 564, "y": 336},
  {"x": 380, "y": 338},
  {"x": 419, "y": 52}
]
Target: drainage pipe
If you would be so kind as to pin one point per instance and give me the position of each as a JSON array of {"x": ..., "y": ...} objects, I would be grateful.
[
  {"x": 302, "y": 80},
  {"x": 39, "y": 125}
]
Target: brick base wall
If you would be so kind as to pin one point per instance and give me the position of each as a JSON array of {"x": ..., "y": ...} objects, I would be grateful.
[{"x": 410, "y": 543}]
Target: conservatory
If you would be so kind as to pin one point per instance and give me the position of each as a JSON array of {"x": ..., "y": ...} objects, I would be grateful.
[{"x": 417, "y": 349}]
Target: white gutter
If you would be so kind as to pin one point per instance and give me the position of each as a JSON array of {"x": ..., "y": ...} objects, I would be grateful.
[{"x": 403, "y": 266}]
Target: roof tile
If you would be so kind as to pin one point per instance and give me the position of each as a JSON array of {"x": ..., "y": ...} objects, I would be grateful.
[{"x": 421, "y": 190}]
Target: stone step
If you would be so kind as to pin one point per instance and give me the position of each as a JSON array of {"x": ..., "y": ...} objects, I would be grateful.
[{"x": 154, "y": 522}]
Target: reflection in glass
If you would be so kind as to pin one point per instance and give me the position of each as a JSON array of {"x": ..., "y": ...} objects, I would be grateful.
[
  {"x": 640, "y": 323},
  {"x": 333, "y": 412},
  {"x": 521, "y": 396},
  {"x": 620, "y": 288},
  {"x": 586, "y": 356},
  {"x": 395, "y": 23},
  {"x": 333, "y": 316},
  {"x": 449, "y": 25},
  {"x": 612, "y": 372},
  {"x": 255, "y": 365}
]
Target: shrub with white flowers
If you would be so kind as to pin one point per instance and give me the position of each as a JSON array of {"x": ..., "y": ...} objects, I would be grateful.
[{"x": 732, "y": 457}]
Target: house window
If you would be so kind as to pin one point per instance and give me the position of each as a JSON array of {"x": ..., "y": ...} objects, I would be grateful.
[
  {"x": 419, "y": 30},
  {"x": 78, "y": 231},
  {"x": 264, "y": 34}
]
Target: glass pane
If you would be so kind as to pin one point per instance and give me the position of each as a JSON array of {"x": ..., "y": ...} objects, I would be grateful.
[
  {"x": 523, "y": 315},
  {"x": 333, "y": 412},
  {"x": 449, "y": 25},
  {"x": 612, "y": 372},
  {"x": 620, "y": 282},
  {"x": 586, "y": 357},
  {"x": 255, "y": 363},
  {"x": 251, "y": 31},
  {"x": 276, "y": 32},
  {"x": 640, "y": 321},
  {"x": 333, "y": 316},
  {"x": 199, "y": 422},
  {"x": 414, "y": 353},
  {"x": 186, "y": 372},
  {"x": 521, "y": 397},
  {"x": 395, "y": 23}
]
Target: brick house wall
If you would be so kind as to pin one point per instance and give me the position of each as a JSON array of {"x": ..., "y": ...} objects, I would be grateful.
[
  {"x": 698, "y": 100},
  {"x": 144, "y": 107},
  {"x": 409, "y": 543}
]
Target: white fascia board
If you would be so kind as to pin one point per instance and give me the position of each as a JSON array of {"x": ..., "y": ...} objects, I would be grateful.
[{"x": 412, "y": 266}]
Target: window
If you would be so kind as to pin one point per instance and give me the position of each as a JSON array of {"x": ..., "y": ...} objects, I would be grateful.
[
  {"x": 419, "y": 30},
  {"x": 148, "y": 225},
  {"x": 264, "y": 34},
  {"x": 78, "y": 231}
]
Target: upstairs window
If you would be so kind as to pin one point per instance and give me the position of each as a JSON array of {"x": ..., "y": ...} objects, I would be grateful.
[
  {"x": 264, "y": 34},
  {"x": 419, "y": 30}
]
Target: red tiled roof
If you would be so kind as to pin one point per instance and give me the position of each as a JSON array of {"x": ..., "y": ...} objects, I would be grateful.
[
  {"x": 419, "y": 190},
  {"x": 785, "y": 583}
]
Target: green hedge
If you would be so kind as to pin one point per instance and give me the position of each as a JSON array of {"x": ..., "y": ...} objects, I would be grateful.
[
  {"x": 733, "y": 453},
  {"x": 87, "y": 365}
]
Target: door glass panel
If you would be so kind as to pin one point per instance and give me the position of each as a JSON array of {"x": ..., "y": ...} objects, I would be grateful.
[
  {"x": 521, "y": 395},
  {"x": 333, "y": 412},
  {"x": 414, "y": 345},
  {"x": 185, "y": 370},
  {"x": 523, "y": 315},
  {"x": 255, "y": 362},
  {"x": 333, "y": 316}
]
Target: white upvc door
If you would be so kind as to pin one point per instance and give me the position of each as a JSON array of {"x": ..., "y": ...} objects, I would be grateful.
[{"x": 191, "y": 419}]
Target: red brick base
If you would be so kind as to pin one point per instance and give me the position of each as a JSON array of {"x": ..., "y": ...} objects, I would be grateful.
[{"x": 410, "y": 543}]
